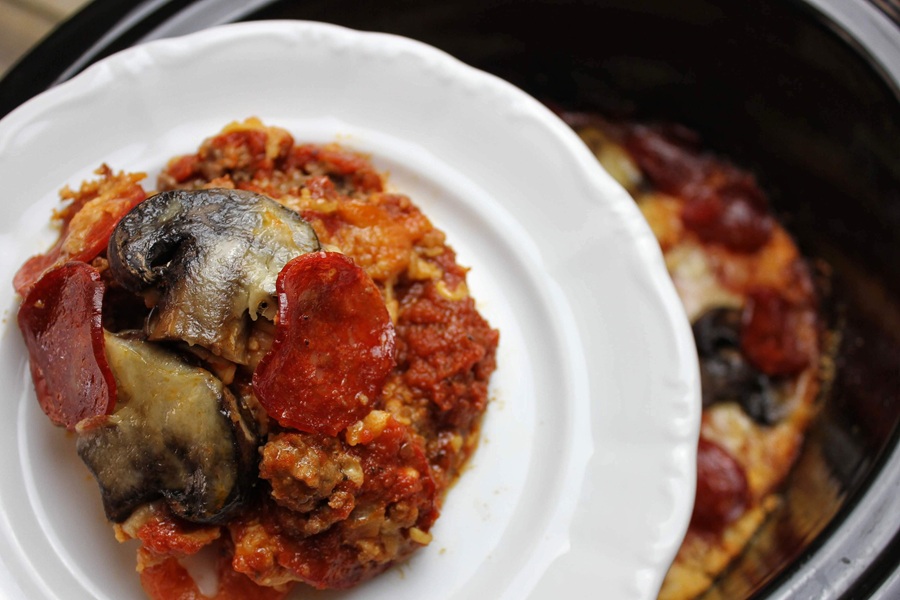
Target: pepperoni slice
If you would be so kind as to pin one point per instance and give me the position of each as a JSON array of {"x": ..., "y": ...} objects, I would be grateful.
[
  {"x": 724, "y": 204},
  {"x": 333, "y": 347},
  {"x": 61, "y": 323},
  {"x": 34, "y": 267},
  {"x": 729, "y": 217},
  {"x": 776, "y": 336},
  {"x": 86, "y": 228},
  {"x": 667, "y": 155},
  {"x": 722, "y": 492}
]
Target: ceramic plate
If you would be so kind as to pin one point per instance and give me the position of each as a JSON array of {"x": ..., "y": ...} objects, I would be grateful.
[{"x": 585, "y": 474}]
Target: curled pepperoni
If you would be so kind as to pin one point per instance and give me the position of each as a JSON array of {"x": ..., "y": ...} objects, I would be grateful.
[
  {"x": 730, "y": 216},
  {"x": 333, "y": 347},
  {"x": 34, "y": 267},
  {"x": 722, "y": 492},
  {"x": 61, "y": 323},
  {"x": 666, "y": 155},
  {"x": 87, "y": 224},
  {"x": 724, "y": 205},
  {"x": 776, "y": 336}
]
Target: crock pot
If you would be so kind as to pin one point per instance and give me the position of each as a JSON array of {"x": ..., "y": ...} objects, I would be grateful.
[{"x": 804, "y": 93}]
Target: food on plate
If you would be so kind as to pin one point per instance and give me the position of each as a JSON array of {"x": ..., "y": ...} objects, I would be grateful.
[
  {"x": 750, "y": 297},
  {"x": 271, "y": 356}
]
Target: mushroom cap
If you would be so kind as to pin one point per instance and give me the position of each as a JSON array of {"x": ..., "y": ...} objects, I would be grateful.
[
  {"x": 177, "y": 433},
  {"x": 207, "y": 261}
]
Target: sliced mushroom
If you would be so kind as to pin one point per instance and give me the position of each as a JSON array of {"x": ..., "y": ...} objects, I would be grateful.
[
  {"x": 725, "y": 374},
  {"x": 177, "y": 433},
  {"x": 208, "y": 260}
]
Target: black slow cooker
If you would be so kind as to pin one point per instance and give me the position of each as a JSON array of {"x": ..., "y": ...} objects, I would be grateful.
[{"x": 804, "y": 93}]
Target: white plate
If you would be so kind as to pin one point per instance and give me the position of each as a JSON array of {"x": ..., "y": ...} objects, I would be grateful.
[{"x": 584, "y": 479}]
